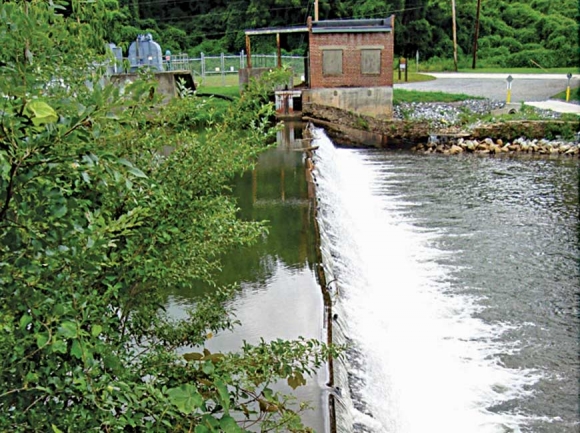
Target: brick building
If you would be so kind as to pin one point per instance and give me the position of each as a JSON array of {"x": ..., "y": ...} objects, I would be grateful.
[
  {"x": 350, "y": 65},
  {"x": 351, "y": 53}
]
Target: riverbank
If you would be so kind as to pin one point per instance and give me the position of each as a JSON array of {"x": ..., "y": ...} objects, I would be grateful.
[
  {"x": 490, "y": 146},
  {"x": 441, "y": 128}
]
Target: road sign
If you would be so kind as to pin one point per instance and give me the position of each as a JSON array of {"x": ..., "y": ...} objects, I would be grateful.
[
  {"x": 509, "y": 88},
  {"x": 569, "y": 76}
]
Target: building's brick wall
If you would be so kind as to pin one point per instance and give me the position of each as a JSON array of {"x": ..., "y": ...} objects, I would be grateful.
[{"x": 351, "y": 44}]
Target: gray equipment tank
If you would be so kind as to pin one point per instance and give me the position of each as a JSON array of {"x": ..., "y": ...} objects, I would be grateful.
[{"x": 145, "y": 52}]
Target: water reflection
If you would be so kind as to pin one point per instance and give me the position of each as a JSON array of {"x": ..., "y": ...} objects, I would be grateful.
[{"x": 279, "y": 296}]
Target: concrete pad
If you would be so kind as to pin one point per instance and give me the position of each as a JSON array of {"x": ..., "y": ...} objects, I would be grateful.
[{"x": 559, "y": 106}]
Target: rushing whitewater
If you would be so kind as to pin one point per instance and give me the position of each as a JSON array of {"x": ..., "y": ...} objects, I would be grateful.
[{"x": 420, "y": 358}]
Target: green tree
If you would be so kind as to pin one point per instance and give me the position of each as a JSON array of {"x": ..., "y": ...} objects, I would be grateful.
[{"x": 94, "y": 219}]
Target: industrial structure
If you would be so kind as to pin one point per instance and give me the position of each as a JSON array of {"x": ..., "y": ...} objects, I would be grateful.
[
  {"x": 349, "y": 66},
  {"x": 144, "y": 52}
]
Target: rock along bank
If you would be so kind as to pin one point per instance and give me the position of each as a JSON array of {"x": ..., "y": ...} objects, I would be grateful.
[{"x": 439, "y": 135}]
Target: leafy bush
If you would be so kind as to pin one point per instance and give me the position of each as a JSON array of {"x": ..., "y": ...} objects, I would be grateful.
[{"x": 95, "y": 217}]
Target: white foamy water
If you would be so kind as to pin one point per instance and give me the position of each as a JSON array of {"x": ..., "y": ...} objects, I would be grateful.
[{"x": 420, "y": 361}]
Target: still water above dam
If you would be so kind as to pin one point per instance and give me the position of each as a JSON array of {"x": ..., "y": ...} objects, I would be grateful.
[{"x": 279, "y": 296}]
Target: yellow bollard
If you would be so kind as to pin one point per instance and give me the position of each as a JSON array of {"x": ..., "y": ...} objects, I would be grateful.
[
  {"x": 569, "y": 76},
  {"x": 509, "y": 89}
]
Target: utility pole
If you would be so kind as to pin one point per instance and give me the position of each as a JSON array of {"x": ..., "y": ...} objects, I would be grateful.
[
  {"x": 476, "y": 36},
  {"x": 454, "y": 34},
  {"x": 315, "y": 10}
]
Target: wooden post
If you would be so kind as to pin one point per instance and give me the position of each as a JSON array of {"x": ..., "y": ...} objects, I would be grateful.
[
  {"x": 454, "y": 34},
  {"x": 278, "y": 50},
  {"x": 249, "y": 63},
  {"x": 476, "y": 36}
]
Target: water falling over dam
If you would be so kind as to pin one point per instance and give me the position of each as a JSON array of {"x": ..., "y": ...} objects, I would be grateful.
[{"x": 454, "y": 282}]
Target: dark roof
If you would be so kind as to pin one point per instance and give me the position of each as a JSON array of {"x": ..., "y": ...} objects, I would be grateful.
[
  {"x": 332, "y": 26},
  {"x": 353, "y": 26},
  {"x": 274, "y": 30}
]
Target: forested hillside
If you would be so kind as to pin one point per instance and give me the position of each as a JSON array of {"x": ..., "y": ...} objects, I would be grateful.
[{"x": 511, "y": 32}]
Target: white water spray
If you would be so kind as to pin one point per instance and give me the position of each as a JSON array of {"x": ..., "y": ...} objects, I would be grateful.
[{"x": 421, "y": 362}]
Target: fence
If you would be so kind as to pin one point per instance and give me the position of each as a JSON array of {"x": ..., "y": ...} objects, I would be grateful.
[{"x": 223, "y": 65}]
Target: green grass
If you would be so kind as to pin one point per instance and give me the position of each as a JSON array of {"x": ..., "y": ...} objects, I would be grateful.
[
  {"x": 218, "y": 85},
  {"x": 401, "y": 95},
  {"x": 217, "y": 80},
  {"x": 574, "y": 95},
  {"x": 562, "y": 71},
  {"x": 412, "y": 77}
]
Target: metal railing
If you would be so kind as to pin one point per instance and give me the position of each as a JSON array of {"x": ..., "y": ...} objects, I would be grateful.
[{"x": 226, "y": 64}]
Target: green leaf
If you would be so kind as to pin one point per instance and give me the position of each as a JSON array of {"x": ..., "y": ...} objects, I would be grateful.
[
  {"x": 193, "y": 356},
  {"x": 40, "y": 112},
  {"x": 25, "y": 320},
  {"x": 185, "y": 397},
  {"x": 229, "y": 425},
  {"x": 201, "y": 429},
  {"x": 59, "y": 346},
  {"x": 215, "y": 357},
  {"x": 55, "y": 429},
  {"x": 76, "y": 349},
  {"x": 111, "y": 362},
  {"x": 208, "y": 367},
  {"x": 268, "y": 393},
  {"x": 223, "y": 393},
  {"x": 96, "y": 330},
  {"x": 125, "y": 162},
  {"x": 59, "y": 212},
  {"x": 296, "y": 380},
  {"x": 210, "y": 421},
  {"x": 41, "y": 339},
  {"x": 137, "y": 173},
  {"x": 68, "y": 329},
  {"x": 4, "y": 167}
]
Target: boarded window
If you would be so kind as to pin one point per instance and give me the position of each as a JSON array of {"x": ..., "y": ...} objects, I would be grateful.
[
  {"x": 370, "y": 62},
  {"x": 332, "y": 62}
]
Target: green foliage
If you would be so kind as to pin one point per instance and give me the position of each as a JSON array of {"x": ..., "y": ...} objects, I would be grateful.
[
  {"x": 421, "y": 25},
  {"x": 106, "y": 197}
]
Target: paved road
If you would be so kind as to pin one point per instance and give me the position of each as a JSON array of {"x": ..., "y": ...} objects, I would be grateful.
[{"x": 525, "y": 87}]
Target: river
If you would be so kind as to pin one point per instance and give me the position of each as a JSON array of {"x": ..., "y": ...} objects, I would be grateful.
[
  {"x": 279, "y": 295},
  {"x": 455, "y": 281},
  {"x": 456, "y": 284}
]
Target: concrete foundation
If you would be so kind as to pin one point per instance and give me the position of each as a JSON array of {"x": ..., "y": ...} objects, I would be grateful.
[
  {"x": 167, "y": 82},
  {"x": 371, "y": 101},
  {"x": 288, "y": 103}
]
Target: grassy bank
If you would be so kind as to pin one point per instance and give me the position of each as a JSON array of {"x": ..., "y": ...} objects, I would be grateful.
[{"x": 574, "y": 95}]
